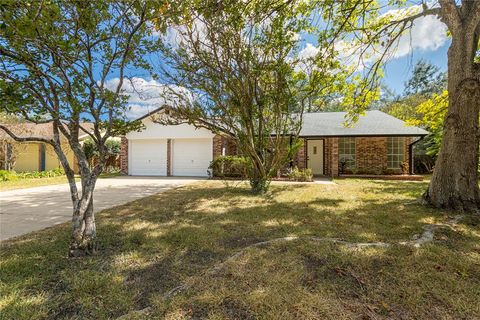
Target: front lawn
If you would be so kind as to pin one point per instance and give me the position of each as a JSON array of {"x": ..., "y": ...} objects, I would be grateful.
[
  {"x": 31, "y": 182},
  {"x": 38, "y": 182},
  {"x": 200, "y": 239}
]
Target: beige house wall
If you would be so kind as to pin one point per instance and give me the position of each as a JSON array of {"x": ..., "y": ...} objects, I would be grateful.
[{"x": 27, "y": 157}]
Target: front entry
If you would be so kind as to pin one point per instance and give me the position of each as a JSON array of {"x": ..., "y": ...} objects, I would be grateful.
[{"x": 315, "y": 156}]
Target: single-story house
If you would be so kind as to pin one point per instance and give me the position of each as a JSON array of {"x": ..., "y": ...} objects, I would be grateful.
[
  {"x": 32, "y": 156},
  {"x": 377, "y": 144}
]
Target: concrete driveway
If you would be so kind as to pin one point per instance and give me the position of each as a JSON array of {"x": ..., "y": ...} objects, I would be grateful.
[{"x": 26, "y": 210}]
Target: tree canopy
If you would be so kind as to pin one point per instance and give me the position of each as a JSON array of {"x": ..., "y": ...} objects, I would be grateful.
[
  {"x": 56, "y": 60},
  {"x": 241, "y": 65}
]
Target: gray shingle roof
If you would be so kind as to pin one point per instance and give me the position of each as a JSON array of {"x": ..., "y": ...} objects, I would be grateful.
[{"x": 373, "y": 123}]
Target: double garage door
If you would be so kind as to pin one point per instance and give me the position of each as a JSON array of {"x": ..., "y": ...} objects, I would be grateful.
[{"x": 188, "y": 157}]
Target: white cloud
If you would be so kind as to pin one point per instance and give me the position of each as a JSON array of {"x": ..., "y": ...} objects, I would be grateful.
[
  {"x": 147, "y": 95},
  {"x": 427, "y": 34},
  {"x": 179, "y": 35},
  {"x": 308, "y": 52}
]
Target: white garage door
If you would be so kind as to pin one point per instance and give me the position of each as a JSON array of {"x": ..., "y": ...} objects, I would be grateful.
[
  {"x": 148, "y": 157},
  {"x": 191, "y": 157}
]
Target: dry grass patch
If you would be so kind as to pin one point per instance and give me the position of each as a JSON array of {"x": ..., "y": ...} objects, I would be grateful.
[{"x": 152, "y": 245}]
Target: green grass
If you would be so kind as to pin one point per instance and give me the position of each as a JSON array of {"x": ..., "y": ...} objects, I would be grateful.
[
  {"x": 155, "y": 244},
  {"x": 31, "y": 182},
  {"x": 38, "y": 182}
]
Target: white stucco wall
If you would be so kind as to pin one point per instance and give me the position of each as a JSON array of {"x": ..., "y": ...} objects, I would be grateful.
[{"x": 157, "y": 131}]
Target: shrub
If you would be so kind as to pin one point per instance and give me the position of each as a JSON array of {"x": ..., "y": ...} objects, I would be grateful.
[
  {"x": 387, "y": 171},
  {"x": 30, "y": 174},
  {"x": 342, "y": 165},
  {"x": 6, "y": 175},
  {"x": 230, "y": 166},
  {"x": 296, "y": 174},
  {"x": 113, "y": 147}
]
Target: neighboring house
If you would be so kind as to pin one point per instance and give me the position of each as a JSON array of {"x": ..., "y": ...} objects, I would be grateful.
[
  {"x": 377, "y": 144},
  {"x": 32, "y": 156}
]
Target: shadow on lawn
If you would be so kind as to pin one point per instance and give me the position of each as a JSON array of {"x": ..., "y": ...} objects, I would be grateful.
[{"x": 155, "y": 244}]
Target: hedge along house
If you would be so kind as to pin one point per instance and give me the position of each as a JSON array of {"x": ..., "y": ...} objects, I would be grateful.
[
  {"x": 376, "y": 144},
  {"x": 33, "y": 156}
]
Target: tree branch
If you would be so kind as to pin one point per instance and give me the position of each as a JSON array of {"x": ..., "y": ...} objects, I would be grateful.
[{"x": 25, "y": 139}]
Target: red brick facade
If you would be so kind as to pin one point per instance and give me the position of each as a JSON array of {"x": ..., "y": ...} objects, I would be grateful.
[
  {"x": 124, "y": 155},
  {"x": 169, "y": 157},
  {"x": 223, "y": 145},
  {"x": 301, "y": 160},
  {"x": 370, "y": 154},
  {"x": 331, "y": 157}
]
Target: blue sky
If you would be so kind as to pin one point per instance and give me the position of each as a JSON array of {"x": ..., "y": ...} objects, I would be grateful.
[
  {"x": 399, "y": 70},
  {"x": 426, "y": 40}
]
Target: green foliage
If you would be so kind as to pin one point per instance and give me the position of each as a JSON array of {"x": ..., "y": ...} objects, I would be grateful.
[
  {"x": 241, "y": 64},
  {"x": 426, "y": 79},
  {"x": 423, "y": 103},
  {"x": 404, "y": 108},
  {"x": 6, "y": 175},
  {"x": 89, "y": 149},
  {"x": 303, "y": 175},
  {"x": 230, "y": 167},
  {"x": 112, "y": 147},
  {"x": 58, "y": 57},
  {"x": 432, "y": 114}
]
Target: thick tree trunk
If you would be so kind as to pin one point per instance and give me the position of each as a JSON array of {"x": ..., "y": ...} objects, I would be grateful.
[
  {"x": 454, "y": 183},
  {"x": 84, "y": 232}
]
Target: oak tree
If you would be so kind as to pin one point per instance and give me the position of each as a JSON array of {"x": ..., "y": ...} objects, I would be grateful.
[{"x": 375, "y": 34}]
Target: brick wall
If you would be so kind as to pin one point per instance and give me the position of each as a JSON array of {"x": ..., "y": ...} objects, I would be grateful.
[
  {"x": 408, "y": 141},
  {"x": 331, "y": 157},
  {"x": 124, "y": 155},
  {"x": 301, "y": 159},
  {"x": 169, "y": 157},
  {"x": 220, "y": 143},
  {"x": 217, "y": 146},
  {"x": 371, "y": 154}
]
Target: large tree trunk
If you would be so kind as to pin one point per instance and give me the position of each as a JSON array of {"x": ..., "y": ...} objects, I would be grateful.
[{"x": 454, "y": 183}]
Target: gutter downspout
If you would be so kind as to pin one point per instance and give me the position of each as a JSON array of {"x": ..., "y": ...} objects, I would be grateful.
[{"x": 410, "y": 155}]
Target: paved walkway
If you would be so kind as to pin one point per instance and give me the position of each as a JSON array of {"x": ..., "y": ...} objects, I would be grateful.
[{"x": 26, "y": 210}]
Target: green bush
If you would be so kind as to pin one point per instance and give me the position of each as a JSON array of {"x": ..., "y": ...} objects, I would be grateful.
[
  {"x": 230, "y": 166},
  {"x": 12, "y": 175},
  {"x": 296, "y": 174},
  {"x": 6, "y": 175},
  {"x": 90, "y": 149}
]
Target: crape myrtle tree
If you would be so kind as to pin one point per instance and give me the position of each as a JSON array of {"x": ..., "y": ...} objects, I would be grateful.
[
  {"x": 246, "y": 77},
  {"x": 454, "y": 183},
  {"x": 55, "y": 59}
]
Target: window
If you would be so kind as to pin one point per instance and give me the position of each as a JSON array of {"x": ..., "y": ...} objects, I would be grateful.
[
  {"x": 346, "y": 153},
  {"x": 395, "y": 152}
]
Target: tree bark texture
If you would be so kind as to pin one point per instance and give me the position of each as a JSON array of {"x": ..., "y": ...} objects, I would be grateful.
[
  {"x": 454, "y": 183},
  {"x": 84, "y": 232}
]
